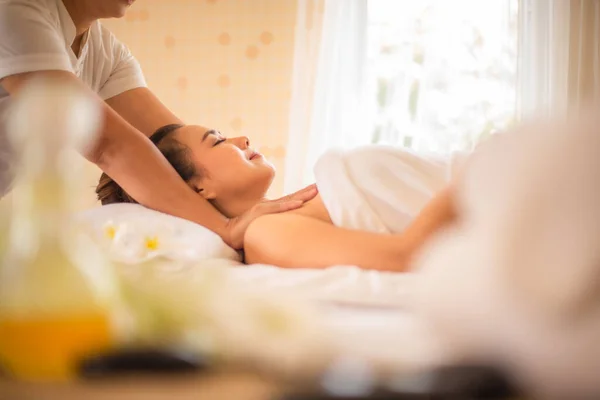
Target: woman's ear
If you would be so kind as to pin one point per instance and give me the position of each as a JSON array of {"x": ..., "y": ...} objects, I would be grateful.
[
  {"x": 204, "y": 189},
  {"x": 207, "y": 194}
]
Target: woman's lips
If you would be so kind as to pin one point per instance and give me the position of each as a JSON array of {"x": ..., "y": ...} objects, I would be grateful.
[{"x": 255, "y": 155}]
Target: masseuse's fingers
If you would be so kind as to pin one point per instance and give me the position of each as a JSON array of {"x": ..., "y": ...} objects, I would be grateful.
[
  {"x": 277, "y": 206},
  {"x": 306, "y": 194},
  {"x": 237, "y": 226}
]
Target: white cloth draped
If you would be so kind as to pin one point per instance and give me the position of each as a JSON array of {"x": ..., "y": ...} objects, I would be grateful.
[{"x": 378, "y": 188}]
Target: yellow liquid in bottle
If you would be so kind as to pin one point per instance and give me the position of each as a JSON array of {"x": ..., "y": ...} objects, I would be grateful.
[{"x": 50, "y": 348}]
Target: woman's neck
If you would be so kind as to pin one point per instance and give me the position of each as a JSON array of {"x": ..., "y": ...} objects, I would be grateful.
[
  {"x": 80, "y": 15},
  {"x": 236, "y": 207}
]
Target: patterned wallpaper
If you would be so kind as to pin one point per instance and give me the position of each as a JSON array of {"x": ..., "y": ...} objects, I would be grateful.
[{"x": 225, "y": 64}]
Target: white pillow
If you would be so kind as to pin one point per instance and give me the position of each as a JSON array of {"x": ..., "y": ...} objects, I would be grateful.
[{"x": 132, "y": 233}]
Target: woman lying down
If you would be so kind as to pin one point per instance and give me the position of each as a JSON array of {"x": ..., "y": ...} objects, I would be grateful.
[{"x": 376, "y": 205}]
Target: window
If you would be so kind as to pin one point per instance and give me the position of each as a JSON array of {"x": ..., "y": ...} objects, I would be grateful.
[{"x": 442, "y": 74}]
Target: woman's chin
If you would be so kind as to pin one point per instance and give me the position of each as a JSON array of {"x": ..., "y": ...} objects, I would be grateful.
[
  {"x": 269, "y": 168},
  {"x": 273, "y": 171},
  {"x": 267, "y": 180}
]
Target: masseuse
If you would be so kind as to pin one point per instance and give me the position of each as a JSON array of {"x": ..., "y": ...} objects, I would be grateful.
[{"x": 63, "y": 39}]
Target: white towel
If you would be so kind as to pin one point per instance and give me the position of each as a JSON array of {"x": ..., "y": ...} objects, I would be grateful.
[{"x": 379, "y": 188}]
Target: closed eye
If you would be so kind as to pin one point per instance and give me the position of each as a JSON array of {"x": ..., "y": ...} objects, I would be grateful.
[{"x": 218, "y": 142}]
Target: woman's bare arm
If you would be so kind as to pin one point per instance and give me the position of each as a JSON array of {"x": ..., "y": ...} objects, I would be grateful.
[
  {"x": 299, "y": 241},
  {"x": 437, "y": 214}
]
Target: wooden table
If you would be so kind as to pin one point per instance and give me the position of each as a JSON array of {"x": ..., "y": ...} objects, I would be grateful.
[{"x": 210, "y": 386}]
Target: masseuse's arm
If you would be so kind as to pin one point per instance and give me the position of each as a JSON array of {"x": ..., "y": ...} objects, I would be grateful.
[
  {"x": 127, "y": 155},
  {"x": 143, "y": 110}
]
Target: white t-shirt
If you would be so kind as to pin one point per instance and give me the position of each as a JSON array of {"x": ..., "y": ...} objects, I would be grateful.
[{"x": 37, "y": 35}]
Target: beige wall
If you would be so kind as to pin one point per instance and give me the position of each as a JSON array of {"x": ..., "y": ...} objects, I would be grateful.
[{"x": 226, "y": 64}]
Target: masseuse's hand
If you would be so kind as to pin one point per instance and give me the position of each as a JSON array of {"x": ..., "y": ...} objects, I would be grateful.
[{"x": 237, "y": 226}]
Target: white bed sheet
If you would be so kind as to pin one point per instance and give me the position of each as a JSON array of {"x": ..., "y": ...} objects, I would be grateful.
[
  {"x": 340, "y": 284},
  {"x": 364, "y": 311}
]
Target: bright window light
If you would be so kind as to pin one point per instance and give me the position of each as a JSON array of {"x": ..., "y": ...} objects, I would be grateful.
[{"x": 442, "y": 73}]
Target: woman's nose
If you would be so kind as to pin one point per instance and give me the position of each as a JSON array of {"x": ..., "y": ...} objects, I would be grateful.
[{"x": 243, "y": 142}]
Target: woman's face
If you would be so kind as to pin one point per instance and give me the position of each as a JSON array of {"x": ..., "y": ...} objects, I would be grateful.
[{"x": 230, "y": 172}]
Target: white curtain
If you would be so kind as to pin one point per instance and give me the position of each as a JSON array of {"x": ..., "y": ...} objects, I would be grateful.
[
  {"x": 558, "y": 70},
  {"x": 543, "y": 56},
  {"x": 584, "y": 54},
  {"x": 559, "y": 62},
  {"x": 329, "y": 84}
]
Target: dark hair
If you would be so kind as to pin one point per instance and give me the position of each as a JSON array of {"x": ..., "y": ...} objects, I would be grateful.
[{"x": 176, "y": 153}]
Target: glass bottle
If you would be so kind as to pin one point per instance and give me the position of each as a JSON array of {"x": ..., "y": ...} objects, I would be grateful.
[{"x": 56, "y": 291}]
